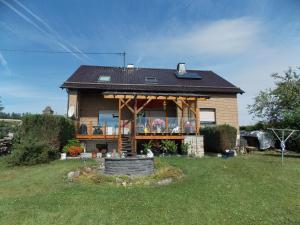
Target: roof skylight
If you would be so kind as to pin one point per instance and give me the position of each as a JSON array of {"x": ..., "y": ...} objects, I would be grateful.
[
  {"x": 104, "y": 78},
  {"x": 151, "y": 80}
]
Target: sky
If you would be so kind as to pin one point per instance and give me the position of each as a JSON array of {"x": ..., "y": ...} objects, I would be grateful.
[{"x": 243, "y": 41}]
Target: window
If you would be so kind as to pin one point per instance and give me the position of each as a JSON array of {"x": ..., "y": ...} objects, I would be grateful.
[
  {"x": 104, "y": 78},
  {"x": 151, "y": 80},
  {"x": 208, "y": 116},
  {"x": 110, "y": 118}
]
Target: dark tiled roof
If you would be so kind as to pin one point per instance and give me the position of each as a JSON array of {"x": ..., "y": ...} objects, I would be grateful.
[{"x": 86, "y": 77}]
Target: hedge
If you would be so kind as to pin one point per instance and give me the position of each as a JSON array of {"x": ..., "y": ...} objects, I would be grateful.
[
  {"x": 40, "y": 139},
  {"x": 54, "y": 130},
  {"x": 219, "y": 138}
]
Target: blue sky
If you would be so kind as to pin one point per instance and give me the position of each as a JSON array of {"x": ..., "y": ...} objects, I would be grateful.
[{"x": 244, "y": 41}]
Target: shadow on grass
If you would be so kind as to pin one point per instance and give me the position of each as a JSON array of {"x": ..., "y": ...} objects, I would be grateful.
[{"x": 287, "y": 155}]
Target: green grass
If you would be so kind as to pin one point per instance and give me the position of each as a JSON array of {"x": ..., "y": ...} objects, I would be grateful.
[{"x": 243, "y": 190}]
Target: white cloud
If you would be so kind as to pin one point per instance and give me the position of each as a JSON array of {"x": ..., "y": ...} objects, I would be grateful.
[
  {"x": 219, "y": 38},
  {"x": 3, "y": 61}
]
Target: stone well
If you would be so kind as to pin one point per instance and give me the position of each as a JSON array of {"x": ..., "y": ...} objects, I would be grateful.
[{"x": 129, "y": 166}]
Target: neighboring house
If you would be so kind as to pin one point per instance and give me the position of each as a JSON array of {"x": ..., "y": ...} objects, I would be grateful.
[{"x": 118, "y": 108}]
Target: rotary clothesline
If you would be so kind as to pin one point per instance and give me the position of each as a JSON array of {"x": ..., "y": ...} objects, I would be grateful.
[{"x": 282, "y": 138}]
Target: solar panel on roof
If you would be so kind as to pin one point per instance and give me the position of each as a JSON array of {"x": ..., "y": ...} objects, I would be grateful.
[{"x": 188, "y": 75}]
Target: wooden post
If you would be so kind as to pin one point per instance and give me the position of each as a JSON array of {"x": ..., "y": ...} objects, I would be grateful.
[
  {"x": 181, "y": 122},
  {"x": 120, "y": 129},
  {"x": 197, "y": 117},
  {"x": 134, "y": 126},
  {"x": 90, "y": 130},
  {"x": 167, "y": 119}
]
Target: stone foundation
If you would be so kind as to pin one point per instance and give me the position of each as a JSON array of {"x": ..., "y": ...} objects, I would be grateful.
[{"x": 196, "y": 146}]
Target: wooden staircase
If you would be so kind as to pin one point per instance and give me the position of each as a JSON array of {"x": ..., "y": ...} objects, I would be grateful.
[{"x": 126, "y": 145}]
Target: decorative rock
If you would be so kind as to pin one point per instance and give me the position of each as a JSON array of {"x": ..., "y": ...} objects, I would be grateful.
[
  {"x": 87, "y": 169},
  {"x": 76, "y": 173},
  {"x": 119, "y": 180},
  {"x": 71, "y": 175},
  {"x": 165, "y": 181}
]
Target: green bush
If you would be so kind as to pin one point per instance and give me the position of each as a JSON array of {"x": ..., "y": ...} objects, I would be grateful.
[
  {"x": 146, "y": 146},
  {"x": 8, "y": 126},
  {"x": 31, "y": 152},
  {"x": 40, "y": 139},
  {"x": 169, "y": 146},
  {"x": 219, "y": 138},
  {"x": 184, "y": 147},
  {"x": 52, "y": 129}
]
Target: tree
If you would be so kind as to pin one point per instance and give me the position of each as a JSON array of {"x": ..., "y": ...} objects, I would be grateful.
[
  {"x": 275, "y": 105},
  {"x": 1, "y": 107}
]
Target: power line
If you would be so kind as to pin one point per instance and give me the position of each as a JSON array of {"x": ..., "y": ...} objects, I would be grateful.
[
  {"x": 62, "y": 52},
  {"x": 123, "y": 54}
]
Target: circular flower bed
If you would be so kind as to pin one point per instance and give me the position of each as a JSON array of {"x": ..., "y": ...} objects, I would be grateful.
[{"x": 164, "y": 174}]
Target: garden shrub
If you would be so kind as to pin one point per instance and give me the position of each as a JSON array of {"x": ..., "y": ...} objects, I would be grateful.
[
  {"x": 169, "y": 146},
  {"x": 8, "y": 126},
  {"x": 40, "y": 139},
  {"x": 219, "y": 138},
  {"x": 184, "y": 147},
  {"x": 31, "y": 152},
  {"x": 52, "y": 129},
  {"x": 73, "y": 147}
]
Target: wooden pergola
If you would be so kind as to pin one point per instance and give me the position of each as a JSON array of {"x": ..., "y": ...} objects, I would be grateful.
[{"x": 129, "y": 101}]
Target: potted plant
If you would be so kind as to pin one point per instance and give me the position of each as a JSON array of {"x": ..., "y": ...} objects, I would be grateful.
[
  {"x": 168, "y": 146},
  {"x": 73, "y": 148},
  {"x": 146, "y": 147},
  {"x": 158, "y": 125},
  {"x": 94, "y": 153},
  {"x": 184, "y": 147}
]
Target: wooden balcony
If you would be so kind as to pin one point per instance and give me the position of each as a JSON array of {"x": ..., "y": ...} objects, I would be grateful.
[{"x": 145, "y": 128}]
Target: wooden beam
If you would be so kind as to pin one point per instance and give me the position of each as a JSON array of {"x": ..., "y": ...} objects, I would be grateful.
[
  {"x": 134, "y": 127},
  {"x": 177, "y": 104},
  {"x": 167, "y": 116},
  {"x": 143, "y": 106},
  {"x": 159, "y": 137},
  {"x": 171, "y": 98},
  {"x": 129, "y": 96},
  {"x": 126, "y": 103},
  {"x": 119, "y": 128},
  {"x": 96, "y": 137},
  {"x": 189, "y": 107},
  {"x": 197, "y": 117}
]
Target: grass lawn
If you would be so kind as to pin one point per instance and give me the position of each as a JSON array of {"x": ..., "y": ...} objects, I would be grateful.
[{"x": 243, "y": 190}]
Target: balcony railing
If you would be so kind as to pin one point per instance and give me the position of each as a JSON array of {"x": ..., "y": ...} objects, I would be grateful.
[
  {"x": 105, "y": 129},
  {"x": 165, "y": 125},
  {"x": 144, "y": 126}
]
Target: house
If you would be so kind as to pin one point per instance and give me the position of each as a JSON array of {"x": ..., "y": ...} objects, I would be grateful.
[{"x": 120, "y": 108}]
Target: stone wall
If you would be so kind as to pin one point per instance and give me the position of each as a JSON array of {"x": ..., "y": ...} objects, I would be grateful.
[{"x": 196, "y": 146}]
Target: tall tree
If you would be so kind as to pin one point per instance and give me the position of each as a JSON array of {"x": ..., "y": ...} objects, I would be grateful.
[
  {"x": 283, "y": 101},
  {"x": 1, "y": 107}
]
